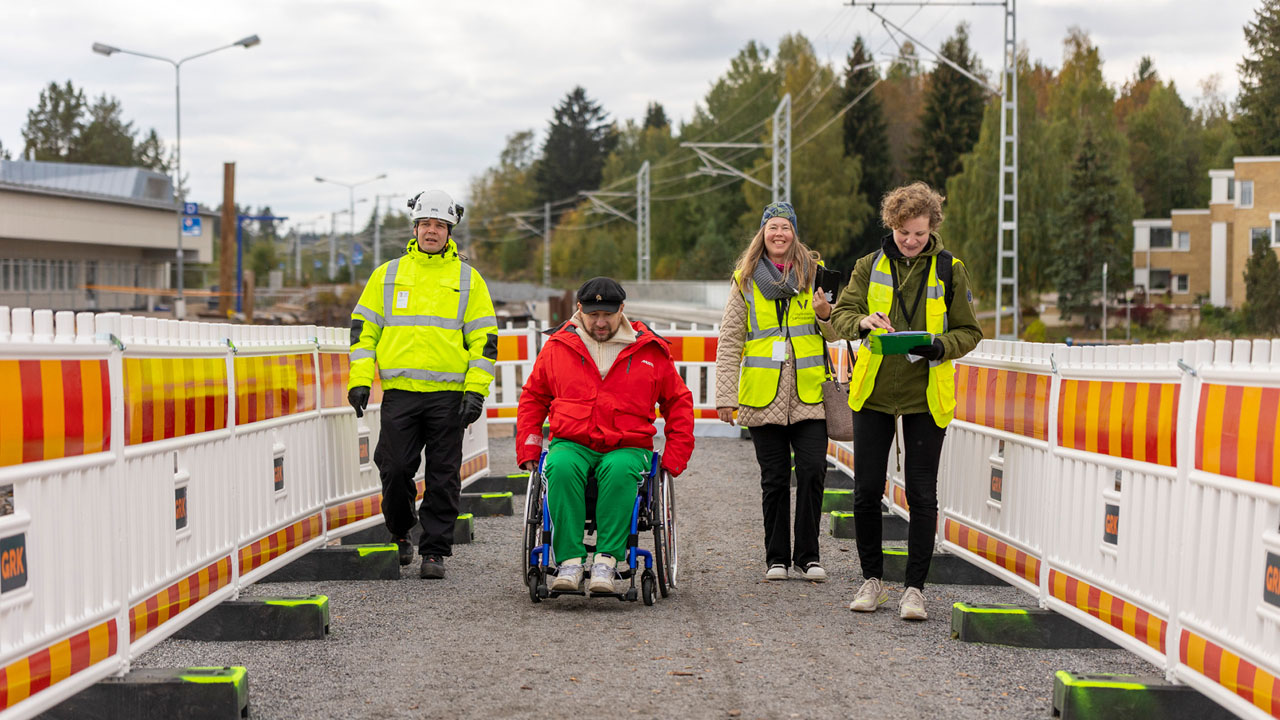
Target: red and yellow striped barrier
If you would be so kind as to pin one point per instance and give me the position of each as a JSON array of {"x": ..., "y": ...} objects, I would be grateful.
[
  {"x": 335, "y": 374},
  {"x": 694, "y": 349},
  {"x": 1133, "y": 420},
  {"x": 38, "y": 671},
  {"x": 53, "y": 409},
  {"x": 474, "y": 465},
  {"x": 513, "y": 348},
  {"x": 843, "y": 456},
  {"x": 998, "y": 552},
  {"x": 168, "y": 603},
  {"x": 264, "y": 550},
  {"x": 1231, "y": 671},
  {"x": 353, "y": 511},
  {"x": 1238, "y": 431},
  {"x": 1126, "y": 617},
  {"x": 274, "y": 386},
  {"x": 1016, "y": 402},
  {"x": 173, "y": 397}
]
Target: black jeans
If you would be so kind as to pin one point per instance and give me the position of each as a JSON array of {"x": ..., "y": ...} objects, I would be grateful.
[
  {"x": 774, "y": 444},
  {"x": 922, "y": 444},
  {"x": 412, "y": 421}
]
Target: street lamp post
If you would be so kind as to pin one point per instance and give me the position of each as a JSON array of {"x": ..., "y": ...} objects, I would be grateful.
[
  {"x": 180, "y": 305},
  {"x": 351, "y": 207}
]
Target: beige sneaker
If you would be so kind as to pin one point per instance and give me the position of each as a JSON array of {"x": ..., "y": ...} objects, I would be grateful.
[
  {"x": 568, "y": 576},
  {"x": 911, "y": 607},
  {"x": 870, "y": 596},
  {"x": 602, "y": 574},
  {"x": 776, "y": 572}
]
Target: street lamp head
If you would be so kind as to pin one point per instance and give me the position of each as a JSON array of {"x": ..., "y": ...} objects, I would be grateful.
[
  {"x": 319, "y": 179},
  {"x": 383, "y": 176},
  {"x": 248, "y": 42},
  {"x": 102, "y": 49}
]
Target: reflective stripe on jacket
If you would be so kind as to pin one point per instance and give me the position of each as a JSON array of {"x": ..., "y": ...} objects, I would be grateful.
[
  {"x": 941, "y": 391},
  {"x": 758, "y": 379},
  {"x": 427, "y": 322}
]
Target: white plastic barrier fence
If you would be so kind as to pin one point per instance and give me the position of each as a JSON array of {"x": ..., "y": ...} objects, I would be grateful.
[
  {"x": 517, "y": 347},
  {"x": 176, "y": 559},
  {"x": 1134, "y": 489},
  {"x": 1225, "y": 635},
  {"x": 694, "y": 352},
  {"x": 61, "y": 606},
  {"x": 149, "y": 469}
]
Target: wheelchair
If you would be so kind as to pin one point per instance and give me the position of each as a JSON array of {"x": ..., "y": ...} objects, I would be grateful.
[{"x": 655, "y": 510}]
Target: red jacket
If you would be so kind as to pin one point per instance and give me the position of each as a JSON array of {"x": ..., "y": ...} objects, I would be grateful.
[{"x": 610, "y": 413}]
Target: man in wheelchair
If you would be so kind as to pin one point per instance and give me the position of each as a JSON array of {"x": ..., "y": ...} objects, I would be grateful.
[{"x": 599, "y": 376}]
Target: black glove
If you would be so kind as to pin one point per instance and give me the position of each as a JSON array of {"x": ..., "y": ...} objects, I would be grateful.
[
  {"x": 472, "y": 407},
  {"x": 932, "y": 352},
  {"x": 359, "y": 399}
]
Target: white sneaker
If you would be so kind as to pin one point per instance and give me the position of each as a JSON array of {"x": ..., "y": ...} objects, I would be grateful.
[
  {"x": 776, "y": 572},
  {"x": 870, "y": 596},
  {"x": 602, "y": 574},
  {"x": 813, "y": 572},
  {"x": 568, "y": 577},
  {"x": 911, "y": 607}
]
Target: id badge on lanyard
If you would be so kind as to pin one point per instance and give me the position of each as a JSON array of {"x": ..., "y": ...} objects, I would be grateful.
[{"x": 779, "y": 351}]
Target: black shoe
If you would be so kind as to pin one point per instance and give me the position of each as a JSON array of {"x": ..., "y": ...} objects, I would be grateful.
[
  {"x": 404, "y": 550},
  {"x": 432, "y": 567}
]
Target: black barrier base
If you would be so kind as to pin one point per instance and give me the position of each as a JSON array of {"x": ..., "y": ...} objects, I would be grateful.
[
  {"x": 946, "y": 569},
  {"x": 837, "y": 479},
  {"x": 837, "y": 499},
  {"x": 464, "y": 531},
  {"x": 1021, "y": 627},
  {"x": 515, "y": 483},
  {"x": 343, "y": 562},
  {"x": 1133, "y": 697},
  {"x": 498, "y": 503},
  {"x": 892, "y": 527},
  {"x": 161, "y": 694},
  {"x": 262, "y": 618}
]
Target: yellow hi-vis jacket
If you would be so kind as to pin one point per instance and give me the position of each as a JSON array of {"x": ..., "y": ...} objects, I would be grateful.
[
  {"x": 941, "y": 391},
  {"x": 428, "y": 323},
  {"x": 758, "y": 381}
]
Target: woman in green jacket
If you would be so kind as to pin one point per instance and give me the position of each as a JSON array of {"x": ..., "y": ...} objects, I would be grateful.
[{"x": 909, "y": 284}]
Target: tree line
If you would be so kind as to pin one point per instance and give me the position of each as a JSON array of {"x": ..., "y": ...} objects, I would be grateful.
[{"x": 1092, "y": 158}]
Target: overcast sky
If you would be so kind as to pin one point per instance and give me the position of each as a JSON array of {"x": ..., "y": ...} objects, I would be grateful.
[{"x": 427, "y": 92}]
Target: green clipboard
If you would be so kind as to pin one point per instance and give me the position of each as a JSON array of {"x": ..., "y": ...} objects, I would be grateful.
[{"x": 898, "y": 343}]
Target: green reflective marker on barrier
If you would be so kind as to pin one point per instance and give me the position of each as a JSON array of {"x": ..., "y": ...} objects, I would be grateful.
[
  {"x": 209, "y": 675},
  {"x": 465, "y": 516},
  {"x": 320, "y": 600},
  {"x": 496, "y": 495},
  {"x": 841, "y": 514},
  {"x": 524, "y": 475},
  {"x": 1068, "y": 680},
  {"x": 1010, "y": 610},
  {"x": 366, "y": 550}
]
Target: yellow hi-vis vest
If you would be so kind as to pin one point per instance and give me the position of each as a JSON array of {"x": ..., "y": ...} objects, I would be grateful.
[
  {"x": 427, "y": 322},
  {"x": 941, "y": 392},
  {"x": 758, "y": 381}
]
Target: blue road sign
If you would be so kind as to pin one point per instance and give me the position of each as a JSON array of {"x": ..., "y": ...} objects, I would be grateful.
[
  {"x": 191, "y": 226},
  {"x": 190, "y": 208},
  {"x": 357, "y": 254},
  {"x": 342, "y": 260},
  {"x": 317, "y": 265}
]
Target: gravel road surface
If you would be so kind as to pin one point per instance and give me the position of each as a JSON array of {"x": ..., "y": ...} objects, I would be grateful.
[{"x": 724, "y": 645}]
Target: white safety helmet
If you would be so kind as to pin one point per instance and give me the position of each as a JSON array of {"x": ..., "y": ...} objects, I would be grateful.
[{"x": 435, "y": 204}]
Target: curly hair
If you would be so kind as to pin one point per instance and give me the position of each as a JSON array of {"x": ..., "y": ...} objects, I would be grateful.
[{"x": 911, "y": 201}]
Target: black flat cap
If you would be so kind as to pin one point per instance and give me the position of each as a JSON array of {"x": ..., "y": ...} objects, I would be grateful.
[{"x": 601, "y": 294}]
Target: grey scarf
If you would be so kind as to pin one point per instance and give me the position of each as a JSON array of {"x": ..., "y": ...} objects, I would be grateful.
[{"x": 771, "y": 282}]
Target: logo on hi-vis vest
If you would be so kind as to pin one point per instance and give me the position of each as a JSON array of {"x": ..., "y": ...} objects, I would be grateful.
[
  {"x": 13, "y": 562},
  {"x": 1271, "y": 591},
  {"x": 1111, "y": 525},
  {"x": 180, "y": 507}
]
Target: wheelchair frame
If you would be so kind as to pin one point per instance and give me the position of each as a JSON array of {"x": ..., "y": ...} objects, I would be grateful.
[{"x": 654, "y": 510}]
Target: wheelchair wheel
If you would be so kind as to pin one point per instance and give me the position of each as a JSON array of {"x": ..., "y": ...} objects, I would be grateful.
[
  {"x": 646, "y": 587},
  {"x": 532, "y": 520},
  {"x": 669, "y": 566},
  {"x": 533, "y": 579}
]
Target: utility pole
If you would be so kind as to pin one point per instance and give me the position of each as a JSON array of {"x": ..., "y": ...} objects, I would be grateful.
[
  {"x": 1104, "y": 303},
  {"x": 781, "y": 185},
  {"x": 333, "y": 249},
  {"x": 641, "y": 219},
  {"x": 1007, "y": 189},
  {"x": 546, "y": 244},
  {"x": 227, "y": 256}
]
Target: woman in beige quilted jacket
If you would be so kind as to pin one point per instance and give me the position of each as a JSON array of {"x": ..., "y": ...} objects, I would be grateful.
[{"x": 769, "y": 369}]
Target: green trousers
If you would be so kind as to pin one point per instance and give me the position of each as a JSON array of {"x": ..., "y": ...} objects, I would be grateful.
[{"x": 618, "y": 474}]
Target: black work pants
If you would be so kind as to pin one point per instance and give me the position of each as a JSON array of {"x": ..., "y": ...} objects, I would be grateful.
[
  {"x": 412, "y": 422},
  {"x": 922, "y": 444},
  {"x": 774, "y": 444}
]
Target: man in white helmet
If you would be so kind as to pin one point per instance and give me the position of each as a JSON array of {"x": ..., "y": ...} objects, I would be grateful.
[{"x": 426, "y": 320}]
